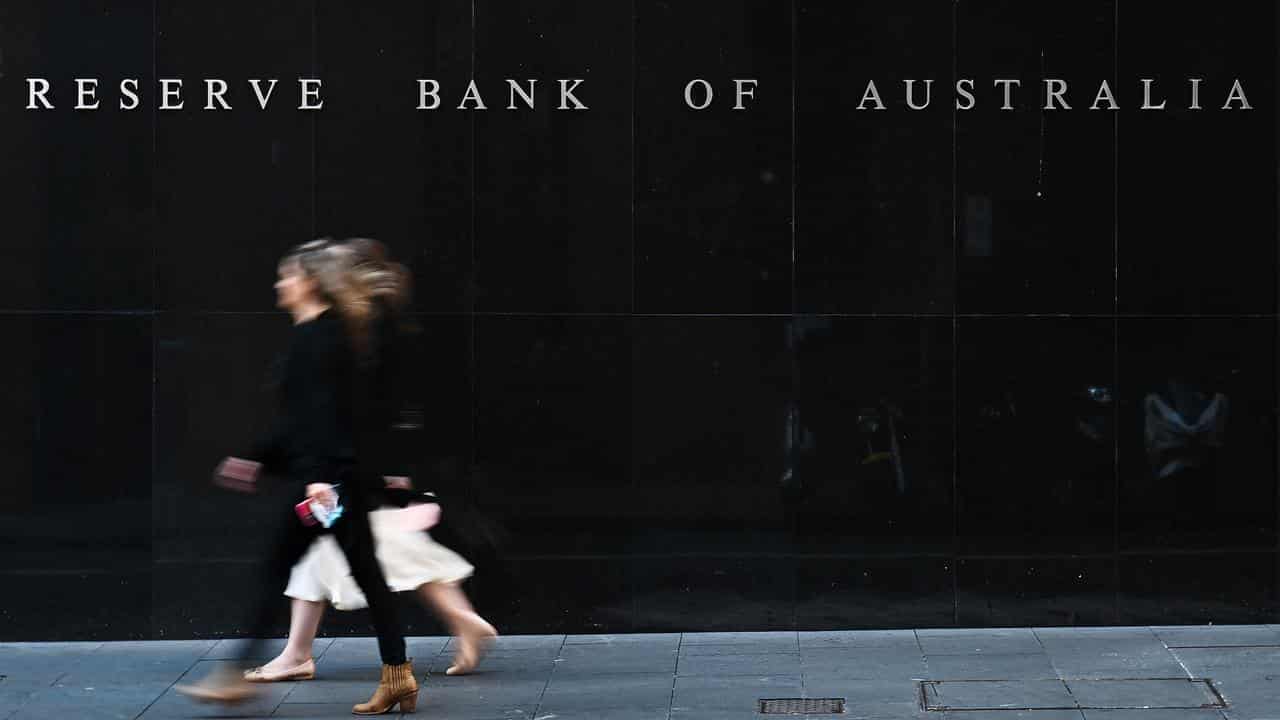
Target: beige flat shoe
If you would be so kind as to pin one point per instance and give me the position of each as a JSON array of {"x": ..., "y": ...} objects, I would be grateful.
[
  {"x": 471, "y": 648},
  {"x": 224, "y": 686},
  {"x": 305, "y": 671}
]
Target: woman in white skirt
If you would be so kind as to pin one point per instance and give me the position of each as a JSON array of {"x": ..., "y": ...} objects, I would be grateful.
[{"x": 410, "y": 560}]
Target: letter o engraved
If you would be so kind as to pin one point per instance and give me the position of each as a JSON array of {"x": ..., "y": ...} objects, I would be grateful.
[{"x": 688, "y": 93}]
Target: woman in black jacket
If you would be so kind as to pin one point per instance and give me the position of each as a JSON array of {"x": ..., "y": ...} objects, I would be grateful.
[
  {"x": 411, "y": 560},
  {"x": 314, "y": 444}
]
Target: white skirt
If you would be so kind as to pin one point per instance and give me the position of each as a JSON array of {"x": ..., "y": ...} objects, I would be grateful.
[{"x": 408, "y": 558}]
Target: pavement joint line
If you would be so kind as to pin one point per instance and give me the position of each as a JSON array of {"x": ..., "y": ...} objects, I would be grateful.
[
  {"x": 564, "y": 639},
  {"x": 675, "y": 674},
  {"x": 176, "y": 680},
  {"x": 325, "y": 651},
  {"x": 800, "y": 657},
  {"x": 1220, "y": 647},
  {"x": 1181, "y": 664},
  {"x": 292, "y": 686},
  {"x": 212, "y": 647},
  {"x": 800, "y": 660},
  {"x": 1174, "y": 655},
  {"x": 1056, "y": 670}
]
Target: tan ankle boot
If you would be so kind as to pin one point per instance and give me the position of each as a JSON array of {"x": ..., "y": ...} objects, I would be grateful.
[{"x": 397, "y": 687}]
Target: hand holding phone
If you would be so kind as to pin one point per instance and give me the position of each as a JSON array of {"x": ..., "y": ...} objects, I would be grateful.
[
  {"x": 321, "y": 506},
  {"x": 322, "y": 493}
]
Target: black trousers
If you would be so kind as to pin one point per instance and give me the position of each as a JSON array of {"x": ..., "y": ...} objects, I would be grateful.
[{"x": 354, "y": 536}]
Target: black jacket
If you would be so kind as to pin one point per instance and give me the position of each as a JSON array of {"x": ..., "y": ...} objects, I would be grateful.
[{"x": 315, "y": 431}]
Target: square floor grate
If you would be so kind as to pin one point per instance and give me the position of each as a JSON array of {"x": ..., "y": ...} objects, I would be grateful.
[{"x": 802, "y": 706}]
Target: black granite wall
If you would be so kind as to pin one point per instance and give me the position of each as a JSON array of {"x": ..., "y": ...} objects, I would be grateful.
[{"x": 798, "y": 365}]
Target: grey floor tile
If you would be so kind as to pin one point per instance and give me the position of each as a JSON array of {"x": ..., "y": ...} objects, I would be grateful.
[
  {"x": 566, "y": 706},
  {"x": 679, "y": 713},
  {"x": 1013, "y": 715},
  {"x": 624, "y": 713},
  {"x": 524, "y": 642},
  {"x": 863, "y": 692},
  {"x": 1217, "y": 635},
  {"x": 317, "y": 711},
  {"x": 709, "y": 695},
  {"x": 596, "y": 660},
  {"x": 1118, "y": 632},
  {"x": 40, "y": 664},
  {"x": 990, "y": 667},
  {"x": 723, "y": 665},
  {"x": 1260, "y": 694},
  {"x": 35, "y": 674},
  {"x": 131, "y": 663},
  {"x": 900, "y": 639},
  {"x": 1140, "y": 694},
  {"x": 865, "y": 663},
  {"x": 609, "y": 691},
  {"x": 1096, "y": 637},
  {"x": 609, "y": 652},
  {"x": 482, "y": 686},
  {"x": 882, "y": 711},
  {"x": 760, "y": 648},
  {"x": 1152, "y": 714},
  {"x": 766, "y": 682},
  {"x": 106, "y": 701},
  {"x": 1244, "y": 662},
  {"x": 348, "y": 646},
  {"x": 445, "y": 705},
  {"x": 512, "y": 664},
  {"x": 50, "y": 647},
  {"x": 1000, "y": 695},
  {"x": 12, "y": 697},
  {"x": 208, "y": 711},
  {"x": 639, "y": 639},
  {"x": 331, "y": 691},
  {"x": 1100, "y": 664},
  {"x": 423, "y": 647},
  {"x": 1090, "y": 639},
  {"x": 172, "y": 704},
  {"x": 731, "y": 701},
  {"x": 1253, "y": 710},
  {"x": 1003, "y": 641},
  {"x": 202, "y": 647},
  {"x": 750, "y": 638}
]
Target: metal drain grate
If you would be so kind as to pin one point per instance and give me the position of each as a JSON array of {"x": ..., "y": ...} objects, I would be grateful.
[{"x": 802, "y": 706}]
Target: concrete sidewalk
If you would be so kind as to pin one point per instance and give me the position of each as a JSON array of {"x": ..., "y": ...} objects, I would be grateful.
[{"x": 1176, "y": 673}]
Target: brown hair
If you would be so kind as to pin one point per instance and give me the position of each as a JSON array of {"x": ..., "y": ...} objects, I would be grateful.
[{"x": 382, "y": 278}]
